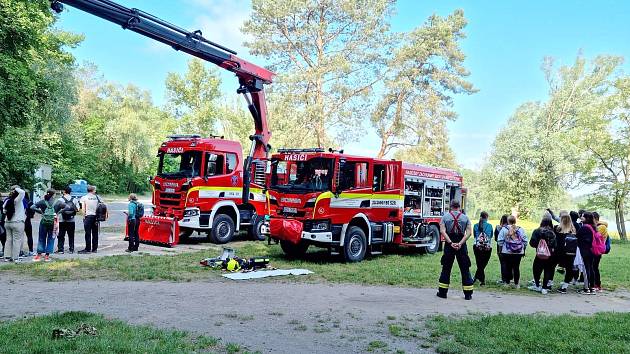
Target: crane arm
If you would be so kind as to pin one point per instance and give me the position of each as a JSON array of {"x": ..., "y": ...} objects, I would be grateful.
[{"x": 251, "y": 77}]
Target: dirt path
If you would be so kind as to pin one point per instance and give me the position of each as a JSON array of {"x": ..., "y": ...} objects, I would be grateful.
[{"x": 280, "y": 317}]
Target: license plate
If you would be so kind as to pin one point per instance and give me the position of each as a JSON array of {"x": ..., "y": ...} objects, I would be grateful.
[
  {"x": 169, "y": 190},
  {"x": 290, "y": 210}
]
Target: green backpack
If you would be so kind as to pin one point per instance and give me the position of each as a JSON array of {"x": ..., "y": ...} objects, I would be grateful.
[{"x": 48, "y": 218}]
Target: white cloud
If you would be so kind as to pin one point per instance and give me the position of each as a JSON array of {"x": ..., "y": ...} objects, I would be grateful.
[{"x": 221, "y": 22}]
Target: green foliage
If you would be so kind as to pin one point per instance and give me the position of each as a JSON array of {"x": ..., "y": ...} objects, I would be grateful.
[
  {"x": 512, "y": 333},
  {"x": 421, "y": 77},
  {"x": 537, "y": 155},
  {"x": 329, "y": 55},
  {"x": 192, "y": 98},
  {"x": 34, "y": 335}
]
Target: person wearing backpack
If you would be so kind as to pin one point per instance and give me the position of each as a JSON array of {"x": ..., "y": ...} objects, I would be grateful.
[
  {"x": 456, "y": 229},
  {"x": 46, "y": 240},
  {"x": 513, "y": 241},
  {"x": 503, "y": 268},
  {"x": 602, "y": 228},
  {"x": 91, "y": 206},
  {"x": 135, "y": 211},
  {"x": 482, "y": 248},
  {"x": 543, "y": 240},
  {"x": 566, "y": 248},
  {"x": 15, "y": 215},
  {"x": 589, "y": 242},
  {"x": 66, "y": 210}
]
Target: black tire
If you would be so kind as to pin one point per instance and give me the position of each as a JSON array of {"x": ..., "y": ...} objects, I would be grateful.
[
  {"x": 222, "y": 229},
  {"x": 291, "y": 250},
  {"x": 355, "y": 245},
  {"x": 255, "y": 232},
  {"x": 435, "y": 240}
]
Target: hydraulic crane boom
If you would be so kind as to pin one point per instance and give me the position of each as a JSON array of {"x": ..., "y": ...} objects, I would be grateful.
[{"x": 251, "y": 77}]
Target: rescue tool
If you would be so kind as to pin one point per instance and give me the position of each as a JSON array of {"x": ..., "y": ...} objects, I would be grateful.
[{"x": 202, "y": 184}]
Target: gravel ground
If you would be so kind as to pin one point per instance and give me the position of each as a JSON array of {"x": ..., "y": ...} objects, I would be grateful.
[{"x": 282, "y": 316}]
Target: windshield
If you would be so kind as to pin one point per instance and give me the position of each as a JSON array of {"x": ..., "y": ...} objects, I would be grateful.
[
  {"x": 184, "y": 165},
  {"x": 302, "y": 176}
]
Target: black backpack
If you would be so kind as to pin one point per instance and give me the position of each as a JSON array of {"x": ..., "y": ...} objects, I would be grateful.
[
  {"x": 101, "y": 210},
  {"x": 69, "y": 210},
  {"x": 570, "y": 244}
]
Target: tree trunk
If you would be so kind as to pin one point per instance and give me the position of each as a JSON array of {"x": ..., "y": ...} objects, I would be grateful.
[{"x": 621, "y": 227}]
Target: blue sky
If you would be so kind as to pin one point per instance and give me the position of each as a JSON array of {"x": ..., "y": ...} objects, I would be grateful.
[{"x": 506, "y": 43}]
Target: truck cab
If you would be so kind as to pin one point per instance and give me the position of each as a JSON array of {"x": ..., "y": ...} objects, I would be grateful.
[{"x": 199, "y": 182}]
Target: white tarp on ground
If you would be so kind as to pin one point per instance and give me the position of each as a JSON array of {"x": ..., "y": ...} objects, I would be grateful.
[{"x": 266, "y": 273}]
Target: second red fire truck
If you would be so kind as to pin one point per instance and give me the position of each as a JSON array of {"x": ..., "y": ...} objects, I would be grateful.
[{"x": 356, "y": 205}]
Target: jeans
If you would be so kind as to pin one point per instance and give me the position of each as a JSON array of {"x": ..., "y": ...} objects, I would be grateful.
[
  {"x": 91, "y": 233},
  {"x": 134, "y": 238},
  {"x": 46, "y": 241},
  {"x": 481, "y": 259},
  {"x": 512, "y": 267},
  {"x": 66, "y": 227}
]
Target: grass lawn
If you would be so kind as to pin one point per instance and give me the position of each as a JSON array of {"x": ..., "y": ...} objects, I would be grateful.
[
  {"x": 600, "y": 333},
  {"x": 34, "y": 335},
  {"x": 399, "y": 267}
]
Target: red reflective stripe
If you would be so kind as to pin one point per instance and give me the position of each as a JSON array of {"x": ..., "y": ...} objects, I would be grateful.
[{"x": 456, "y": 223}]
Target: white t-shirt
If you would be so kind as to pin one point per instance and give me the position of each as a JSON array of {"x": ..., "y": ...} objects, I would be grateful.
[{"x": 89, "y": 203}]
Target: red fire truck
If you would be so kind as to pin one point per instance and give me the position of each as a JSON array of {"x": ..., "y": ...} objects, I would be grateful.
[
  {"x": 202, "y": 184},
  {"x": 354, "y": 205}
]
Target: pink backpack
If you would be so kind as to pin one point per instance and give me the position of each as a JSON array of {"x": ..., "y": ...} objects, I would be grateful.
[
  {"x": 542, "y": 251},
  {"x": 598, "y": 247}
]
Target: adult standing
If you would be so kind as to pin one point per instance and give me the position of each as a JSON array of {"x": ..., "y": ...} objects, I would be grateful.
[
  {"x": 585, "y": 242},
  {"x": 513, "y": 241},
  {"x": 566, "y": 243},
  {"x": 89, "y": 203},
  {"x": 13, "y": 208},
  {"x": 482, "y": 247},
  {"x": 66, "y": 209},
  {"x": 28, "y": 224},
  {"x": 543, "y": 265},
  {"x": 46, "y": 240},
  {"x": 456, "y": 229},
  {"x": 602, "y": 228},
  {"x": 133, "y": 222},
  {"x": 502, "y": 223}
]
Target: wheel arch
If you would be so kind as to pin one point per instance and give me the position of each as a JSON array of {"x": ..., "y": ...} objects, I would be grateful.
[
  {"x": 361, "y": 221},
  {"x": 228, "y": 208}
]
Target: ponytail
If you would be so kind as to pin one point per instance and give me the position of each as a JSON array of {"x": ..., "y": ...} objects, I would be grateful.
[{"x": 482, "y": 219}]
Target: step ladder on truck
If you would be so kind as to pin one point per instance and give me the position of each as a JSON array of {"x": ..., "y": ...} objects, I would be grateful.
[
  {"x": 355, "y": 205},
  {"x": 202, "y": 185}
]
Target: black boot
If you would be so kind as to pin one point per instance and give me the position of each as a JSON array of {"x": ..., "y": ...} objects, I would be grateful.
[{"x": 442, "y": 293}]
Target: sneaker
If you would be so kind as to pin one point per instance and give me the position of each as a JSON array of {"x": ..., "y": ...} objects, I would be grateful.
[
  {"x": 562, "y": 290},
  {"x": 584, "y": 292},
  {"x": 84, "y": 251},
  {"x": 31, "y": 254},
  {"x": 37, "y": 258},
  {"x": 500, "y": 282},
  {"x": 94, "y": 251},
  {"x": 592, "y": 292},
  {"x": 517, "y": 286},
  {"x": 17, "y": 261},
  {"x": 128, "y": 250},
  {"x": 534, "y": 288},
  {"x": 71, "y": 251},
  {"x": 544, "y": 291},
  {"x": 483, "y": 283},
  {"x": 46, "y": 258},
  {"x": 60, "y": 252}
]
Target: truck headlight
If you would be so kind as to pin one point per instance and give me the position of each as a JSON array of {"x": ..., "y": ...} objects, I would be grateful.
[
  {"x": 191, "y": 212},
  {"x": 321, "y": 225}
]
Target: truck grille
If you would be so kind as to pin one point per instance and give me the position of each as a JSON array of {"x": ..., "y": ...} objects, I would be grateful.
[{"x": 171, "y": 199}]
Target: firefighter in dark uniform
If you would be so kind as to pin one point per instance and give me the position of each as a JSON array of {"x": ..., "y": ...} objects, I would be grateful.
[{"x": 456, "y": 229}]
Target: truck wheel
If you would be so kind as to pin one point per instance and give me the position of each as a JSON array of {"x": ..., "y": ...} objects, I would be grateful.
[
  {"x": 222, "y": 229},
  {"x": 434, "y": 246},
  {"x": 291, "y": 250},
  {"x": 355, "y": 245},
  {"x": 255, "y": 231}
]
